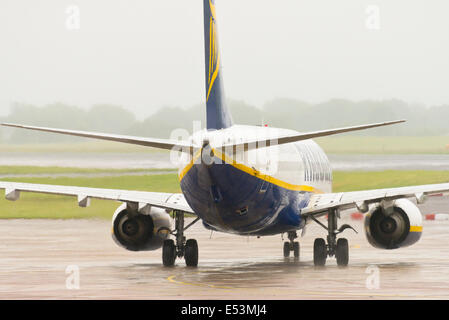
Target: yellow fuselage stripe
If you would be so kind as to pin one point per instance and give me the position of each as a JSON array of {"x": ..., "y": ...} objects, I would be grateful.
[
  {"x": 250, "y": 171},
  {"x": 190, "y": 165},
  {"x": 264, "y": 177}
]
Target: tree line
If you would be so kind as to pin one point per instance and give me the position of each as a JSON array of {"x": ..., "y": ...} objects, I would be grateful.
[{"x": 285, "y": 113}]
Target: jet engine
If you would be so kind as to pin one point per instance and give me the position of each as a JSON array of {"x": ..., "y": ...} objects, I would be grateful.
[
  {"x": 395, "y": 226},
  {"x": 137, "y": 231}
]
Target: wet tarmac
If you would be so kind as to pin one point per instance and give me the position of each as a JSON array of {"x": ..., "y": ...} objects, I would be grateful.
[
  {"x": 161, "y": 160},
  {"x": 103, "y": 160},
  {"x": 77, "y": 259},
  {"x": 380, "y": 162},
  {"x": 87, "y": 174}
]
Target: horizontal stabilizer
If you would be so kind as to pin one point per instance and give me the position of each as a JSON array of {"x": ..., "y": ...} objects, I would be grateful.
[
  {"x": 277, "y": 140},
  {"x": 147, "y": 142}
]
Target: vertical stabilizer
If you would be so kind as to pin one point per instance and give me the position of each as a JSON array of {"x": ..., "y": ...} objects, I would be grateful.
[{"x": 218, "y": 116}]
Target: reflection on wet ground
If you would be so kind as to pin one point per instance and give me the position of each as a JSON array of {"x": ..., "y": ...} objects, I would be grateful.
[{"x": 35, "y": 255}]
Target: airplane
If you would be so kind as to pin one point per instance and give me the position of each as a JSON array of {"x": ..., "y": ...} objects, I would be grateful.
[{"x": 245, "y": 180}]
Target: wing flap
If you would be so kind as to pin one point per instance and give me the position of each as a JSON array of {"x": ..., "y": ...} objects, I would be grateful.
[
  {"x": 320, "y": 203},
  {"x": 170, "y": 201}
]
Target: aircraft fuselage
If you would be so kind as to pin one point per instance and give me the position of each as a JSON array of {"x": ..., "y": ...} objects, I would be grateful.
[{"x": 255, "y": 192}]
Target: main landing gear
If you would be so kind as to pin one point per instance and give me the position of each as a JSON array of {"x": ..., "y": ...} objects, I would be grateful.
[
  {"x": 181, "y": 248},
  {"x": 338, "y": 248}
]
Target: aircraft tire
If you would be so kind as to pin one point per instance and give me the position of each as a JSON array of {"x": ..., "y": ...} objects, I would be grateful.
[
  {"x": 286, "y": 249},
  {"x": 191, "y": 253},
  {"x": 296, "y": 248},
  {"x": 168, "y": 253},
  {"x": 319, "y": 252},
  {"x": 342, "y": 252}
]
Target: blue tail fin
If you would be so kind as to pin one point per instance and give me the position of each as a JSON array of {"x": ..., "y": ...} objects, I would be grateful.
[{"x": 218, "y": 116}]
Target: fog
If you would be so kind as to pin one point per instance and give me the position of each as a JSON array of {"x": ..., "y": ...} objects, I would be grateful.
[{"x": 144, "y": 55}]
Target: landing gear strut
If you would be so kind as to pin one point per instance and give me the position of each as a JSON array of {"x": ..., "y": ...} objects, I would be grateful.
[
  {"x": 182, "y": 248},
  {"x": 291, "y": 245},
  {"x": 338, "y": 248}
]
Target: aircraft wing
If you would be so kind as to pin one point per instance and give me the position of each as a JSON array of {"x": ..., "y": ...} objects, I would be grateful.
[
  {"x": 319, "y": 204},
  {"x": 138, "y": 199}
]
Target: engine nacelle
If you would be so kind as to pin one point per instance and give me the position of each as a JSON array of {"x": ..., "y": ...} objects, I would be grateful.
[
  {"x": 140, "y": 232},
  {"x": 401, "y": 227}
]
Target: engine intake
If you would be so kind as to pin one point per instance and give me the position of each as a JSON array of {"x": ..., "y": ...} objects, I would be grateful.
[
  {"x": 401, "y": 227},
  {"x": 140, "y": 232}
]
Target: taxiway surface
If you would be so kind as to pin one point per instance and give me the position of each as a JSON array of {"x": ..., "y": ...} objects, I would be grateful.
[{"x": 41, "y": 259}]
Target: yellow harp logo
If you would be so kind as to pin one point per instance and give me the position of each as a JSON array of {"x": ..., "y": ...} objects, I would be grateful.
[{"x": 214, "y": 54}]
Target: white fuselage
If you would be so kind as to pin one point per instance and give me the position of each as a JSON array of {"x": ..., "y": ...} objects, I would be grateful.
[{"x": 301, "y": 163}]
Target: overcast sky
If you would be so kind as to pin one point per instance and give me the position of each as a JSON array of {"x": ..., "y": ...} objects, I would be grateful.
[{"x": 145, "y": 54}]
